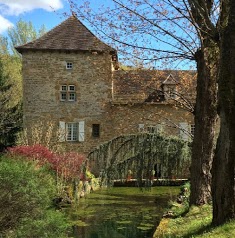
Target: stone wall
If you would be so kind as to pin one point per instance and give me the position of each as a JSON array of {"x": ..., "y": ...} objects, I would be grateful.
[{"x": 45, "y": 72}]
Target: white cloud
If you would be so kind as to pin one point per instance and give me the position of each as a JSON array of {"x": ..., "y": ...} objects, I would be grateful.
[
  {"x": 4, "y": 24},
  {"x": 16, "y": 7}
]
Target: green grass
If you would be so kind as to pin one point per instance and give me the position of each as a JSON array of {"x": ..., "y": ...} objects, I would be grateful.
[{"x": 194, "y": 224}]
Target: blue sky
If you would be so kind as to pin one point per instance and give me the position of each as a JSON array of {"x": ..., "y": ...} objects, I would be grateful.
[{"x": 39, "y": 12}]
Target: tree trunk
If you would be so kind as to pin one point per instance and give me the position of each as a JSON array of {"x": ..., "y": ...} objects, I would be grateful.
[
  {"x": 223, "y": 193},
  {"x": 205, "y": 122}
]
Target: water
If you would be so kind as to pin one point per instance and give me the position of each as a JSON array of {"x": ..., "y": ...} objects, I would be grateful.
[{"x": 120, "y": 212}]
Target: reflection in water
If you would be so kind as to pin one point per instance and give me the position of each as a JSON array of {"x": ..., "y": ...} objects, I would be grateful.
[{"x": 120, "y": 212}]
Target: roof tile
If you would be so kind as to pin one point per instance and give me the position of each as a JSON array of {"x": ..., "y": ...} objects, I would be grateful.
[{"x": 70, "y": 35}]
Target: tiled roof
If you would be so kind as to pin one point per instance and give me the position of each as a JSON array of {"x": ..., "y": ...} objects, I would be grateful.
[
  {"x": 70, "y": 35},
  {"x": 138, "y": 85}
]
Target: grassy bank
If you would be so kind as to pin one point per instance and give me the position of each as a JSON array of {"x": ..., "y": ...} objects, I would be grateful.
[{"x": 195, "y": 223}]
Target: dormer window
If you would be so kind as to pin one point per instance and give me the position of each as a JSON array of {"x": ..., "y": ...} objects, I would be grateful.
[
  {"x": 172, "y": 91},
  {"x": 68, "y": 93},
  {"x": 169, "y": 87},
  {"x": 69, "y": 65}
]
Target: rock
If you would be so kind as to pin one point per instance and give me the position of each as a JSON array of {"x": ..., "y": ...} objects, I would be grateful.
[{"x": 169, "y": 214}]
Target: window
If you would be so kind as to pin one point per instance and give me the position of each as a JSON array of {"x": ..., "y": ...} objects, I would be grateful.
[
  {"x": 151, "y": 129},
  {"x": 67, "y": 93},
  {"x": 63, "y": 93},
  {"x": 192, "y": 129},
  {"x": 141, "y": 128},
  {"x": 69, "y": 65},
  {"x": 157, "y": 129},
  {"x": 71, "y": 93},
  {"x": 184, "y": 131},
  {"x": 71, "y": 88},
  {"x": 71, "y": 131},
  {"x": 96, "y": 130},
  {"x": 171, "y": 92},
  {"x": 64, "y": 88}
]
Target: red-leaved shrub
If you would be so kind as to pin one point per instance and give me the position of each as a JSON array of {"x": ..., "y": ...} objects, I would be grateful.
[{"x": 67, "y": 165}]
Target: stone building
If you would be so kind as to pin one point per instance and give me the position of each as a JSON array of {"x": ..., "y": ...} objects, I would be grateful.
[{"x": 72, "y": 79}]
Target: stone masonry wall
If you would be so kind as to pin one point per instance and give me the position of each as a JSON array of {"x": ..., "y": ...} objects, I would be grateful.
[{"x": 45, "y": 72}]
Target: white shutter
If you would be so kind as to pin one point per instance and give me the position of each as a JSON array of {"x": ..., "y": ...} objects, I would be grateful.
[
  {"x": 62, "y": 131},
  {"x": 81, "y": 131},
  {"x": 159, "y": 128},
  {"x": 184, "y": 130},
  {"x": 141, "y": 127}
]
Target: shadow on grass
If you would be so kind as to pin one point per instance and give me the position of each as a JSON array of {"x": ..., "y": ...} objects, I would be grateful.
[{"x": 200, "y": 231}]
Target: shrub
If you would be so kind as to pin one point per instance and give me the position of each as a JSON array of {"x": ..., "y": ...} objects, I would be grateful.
[
  {"x": 26, "y": 194},
  {"x": 51, "y": 224},
  {"x": 67, "y": 165}
]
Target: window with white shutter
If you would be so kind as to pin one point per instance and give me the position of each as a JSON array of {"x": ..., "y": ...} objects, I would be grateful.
[
  {"x": 157, "y": 129},
  {"x": 71, "y": 131},
  {"x": 184, "y": 130},
  {"x": 141, "y": 127},
  {"x": 81, "y": 136},
  {"x": 62, "y": 131}
]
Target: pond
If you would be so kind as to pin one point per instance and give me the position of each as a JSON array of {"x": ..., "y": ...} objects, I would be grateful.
[{"x": 124, "y": 212}]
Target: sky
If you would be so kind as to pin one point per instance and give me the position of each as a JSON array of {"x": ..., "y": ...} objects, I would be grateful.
[{"x": 39, "y": 12}]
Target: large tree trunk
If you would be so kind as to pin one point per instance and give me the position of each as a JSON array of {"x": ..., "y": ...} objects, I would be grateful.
[
  {"x": 205, "y": 121},
  {"x": 223, "y": 192}
]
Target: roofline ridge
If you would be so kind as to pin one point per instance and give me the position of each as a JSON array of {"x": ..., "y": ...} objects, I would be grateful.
[
  {"x": 75, "y": 16},
  {"x": 52, "y": 31},
  {"x": 30, "y": 42}
]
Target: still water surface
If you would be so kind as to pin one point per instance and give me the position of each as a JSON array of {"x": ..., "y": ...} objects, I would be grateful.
[{"x": 120, "y": 212}]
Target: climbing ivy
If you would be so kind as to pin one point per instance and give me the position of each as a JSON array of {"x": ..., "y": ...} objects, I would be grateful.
[{"x": 142, "y": 156}]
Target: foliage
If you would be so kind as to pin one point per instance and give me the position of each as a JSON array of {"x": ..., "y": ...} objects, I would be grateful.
[
  {"x": 43, "y": 133},
  {"x": 169, "y": 34},
  {"x": 67, "y": 165},
  {"x": 23, "y": 33},
  {"x": 10, "y": 116},
  {"x": 140, "y": 154},
  {"x": 145, "y": 32},
  {"x": 180, "y": 206},
  {"x": 50, "y": 224},
  {"x": 11, "y": 80},
  {"x": 12, "y": 67},
  {"x": 26, "y": 194}
]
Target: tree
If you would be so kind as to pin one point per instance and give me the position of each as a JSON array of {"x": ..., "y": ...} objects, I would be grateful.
[
  {"x": 223, "y": 189},
  {"x": 11, "y": 80},
  {"x": 206, "y": 102},
  {"x": 167, "y": 32},
  {"x": 23, "y": 33},
  {"x": 10, "y": 116}
]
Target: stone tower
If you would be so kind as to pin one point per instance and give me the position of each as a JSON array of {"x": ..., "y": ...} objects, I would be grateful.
[{"x": 67, "y": 80}]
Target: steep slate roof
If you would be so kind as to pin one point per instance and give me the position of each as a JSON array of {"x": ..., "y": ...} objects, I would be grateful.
[
  {"x": 138, "y": 85},
  {"x": 70, "y": 35}
]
